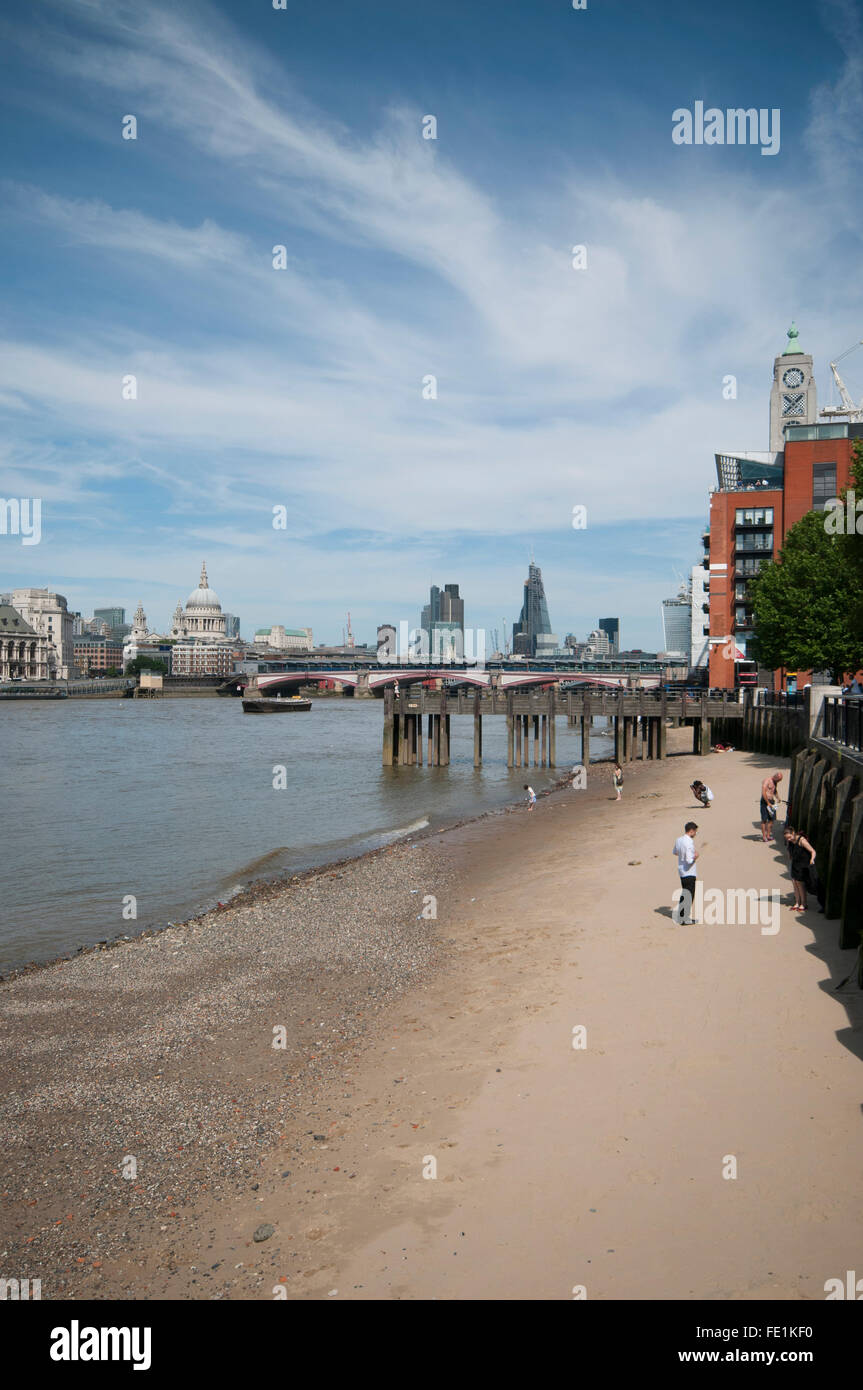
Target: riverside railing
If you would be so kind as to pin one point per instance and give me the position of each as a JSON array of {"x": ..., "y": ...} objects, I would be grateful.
[{"x": 843, "y": 721}]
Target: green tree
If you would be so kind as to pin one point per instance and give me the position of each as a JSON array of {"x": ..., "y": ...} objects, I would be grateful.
[
  {"x": 145, "y": 663},
  {"x": 804, "y": 604}
]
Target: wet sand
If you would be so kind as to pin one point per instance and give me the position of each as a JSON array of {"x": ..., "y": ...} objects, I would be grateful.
[{"x": 447, "y": 1045}]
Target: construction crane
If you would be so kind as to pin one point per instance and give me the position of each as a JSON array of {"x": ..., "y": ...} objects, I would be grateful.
[{"x": 847, "y": 408}]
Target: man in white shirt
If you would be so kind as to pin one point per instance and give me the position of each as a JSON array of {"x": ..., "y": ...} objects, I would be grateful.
[{"x": 687, "y": 854}]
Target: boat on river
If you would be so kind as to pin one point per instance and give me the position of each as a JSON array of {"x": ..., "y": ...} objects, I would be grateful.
[{"x": 275, "y": 704}]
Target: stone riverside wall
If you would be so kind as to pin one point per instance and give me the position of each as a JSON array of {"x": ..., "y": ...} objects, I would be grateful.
[{"x": 825, "y": 801}]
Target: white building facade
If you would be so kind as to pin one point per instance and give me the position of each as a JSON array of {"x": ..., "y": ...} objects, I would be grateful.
[{"x": 48, "y": 614}]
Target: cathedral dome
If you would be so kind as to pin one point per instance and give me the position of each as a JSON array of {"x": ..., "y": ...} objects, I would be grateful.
[{"x": 203, "y": 596}]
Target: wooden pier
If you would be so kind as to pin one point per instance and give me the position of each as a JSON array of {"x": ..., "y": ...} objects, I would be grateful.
[{"x": 639, "y": 719}]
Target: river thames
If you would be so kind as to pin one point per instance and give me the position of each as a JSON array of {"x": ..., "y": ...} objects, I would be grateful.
[{"x": 172, "y": 802}]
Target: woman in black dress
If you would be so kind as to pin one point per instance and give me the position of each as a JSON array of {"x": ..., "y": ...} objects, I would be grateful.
[{"x": 802, "y": 856}]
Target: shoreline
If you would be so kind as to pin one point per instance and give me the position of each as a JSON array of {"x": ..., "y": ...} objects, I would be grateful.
[
  {"x": 261, "y": 886},
  {"x": 155, "y": 1050}
]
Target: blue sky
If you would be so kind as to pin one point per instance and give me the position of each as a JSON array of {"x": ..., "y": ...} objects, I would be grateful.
[{"x": 406, "y": 258}]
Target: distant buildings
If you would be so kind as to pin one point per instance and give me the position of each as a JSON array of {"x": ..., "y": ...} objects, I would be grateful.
[
  {"x": 95, "y": 655},
  {"x": 532, "y": 634},
  {"x": 284, "y": 639},
  {"x": 677, "y": 623},
  {"x": 25, "y": 654},
  {"x": 198, "y": 631},
  {"x": 611, "y": 627},
  {"x": 442, "y": 621},
  {"x": 232, "y": 627},
  {"x": 114, "y": 617},
  {"x": 48, "y": 614}
]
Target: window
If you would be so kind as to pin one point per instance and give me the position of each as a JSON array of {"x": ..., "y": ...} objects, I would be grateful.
[
  {"x": 754, "y": 516},
  {"x": 823, "y": 484}
]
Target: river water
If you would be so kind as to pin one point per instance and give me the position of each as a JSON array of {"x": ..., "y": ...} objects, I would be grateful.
[{"x": 172, "y": 802}]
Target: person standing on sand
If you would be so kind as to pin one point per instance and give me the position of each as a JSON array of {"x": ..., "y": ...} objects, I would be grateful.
[
  {"x": 802, "y": 858},
  {"x": 687, "y": 854},
  {"x": 531, "y": 797},
  {"x": 617, "y": 779},
  {"x": 769, "y": 798}
]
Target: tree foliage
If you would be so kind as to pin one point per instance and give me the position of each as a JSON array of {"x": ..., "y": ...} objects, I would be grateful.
[
  {"x": 145, "y": 663},
  {"x": 805, "y": 605}
]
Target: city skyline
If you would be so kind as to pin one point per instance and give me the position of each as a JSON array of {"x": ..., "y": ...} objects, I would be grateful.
[{"x": 303, "y": 387}]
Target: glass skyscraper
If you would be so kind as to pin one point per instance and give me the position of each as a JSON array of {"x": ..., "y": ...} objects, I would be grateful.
[{"x": 533, "y": 622}]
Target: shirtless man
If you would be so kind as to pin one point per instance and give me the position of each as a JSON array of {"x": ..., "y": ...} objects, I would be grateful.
[{"x": 769, "y": 798}]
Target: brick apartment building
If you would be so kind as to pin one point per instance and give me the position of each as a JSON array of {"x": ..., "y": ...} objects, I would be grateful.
[
  {"x": 97, "y": 654},
  {"x": 759, "y": 496}
]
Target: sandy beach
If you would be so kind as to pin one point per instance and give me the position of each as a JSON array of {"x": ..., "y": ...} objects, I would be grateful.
[{"x": 429, "y": 1130}]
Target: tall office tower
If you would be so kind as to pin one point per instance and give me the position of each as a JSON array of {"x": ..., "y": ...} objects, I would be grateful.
[
  {"x": 232, "y": 627},
  {"x": 611, "y": 627},
  {"x": 443, "y": 621},
  {"x": 533, "y": 623},
  {"x": 114, "y": 617},
  {"x": 677, "y": 622}
]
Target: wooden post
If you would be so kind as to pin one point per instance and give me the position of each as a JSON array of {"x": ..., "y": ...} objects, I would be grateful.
[
  {"x": 430, "y": 745},
  {"x": 477, "y": 734},
  {"x": 419, "y": 740},
  {"x": 618, "y": 738},
  {"x": 662, "y": 735},
  {"x": 518, "y": 730},
  {"x": 627, "y": 738},
  {"x": 543, "y": 739},
  {"x": 387, "y": 752},
  {"x": 536, "y": 740},
  {"x": 552, "y": 733},
  {"x": 510, "y": 733},
  {"x": 448, "y": 737}
]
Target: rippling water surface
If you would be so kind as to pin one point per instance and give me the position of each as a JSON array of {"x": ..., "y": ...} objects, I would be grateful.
[{"x": 173, "y": 801}]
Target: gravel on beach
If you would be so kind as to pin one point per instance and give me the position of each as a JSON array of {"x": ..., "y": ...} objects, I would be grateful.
[{"x": 138, "y": 1077}]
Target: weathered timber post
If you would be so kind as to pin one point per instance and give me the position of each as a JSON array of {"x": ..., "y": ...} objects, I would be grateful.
[
  {"x": 536, "y": 741},
  {"x": 430, "y": 745},
  {"x": 477, "y": 734},
  {"x": 840, "y": 828},
  {"x": 552, "y": 735},
  {"x": 852, "y": 893},
  {"x": 419, "y": 740},
  {"x": 518, "y": 740},
  {"x": 444, "y": 735},
  {"x": 387, "y": 750},
  {"x": 586, "y": 720},
  {"x": 510, "y": 733},
  {"x": 627, "y": 738},
  {"x": 618, "y": 738},
  {"x": 543, "y": 737}
]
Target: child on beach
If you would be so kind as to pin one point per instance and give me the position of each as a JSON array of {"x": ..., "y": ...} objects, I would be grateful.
[
  {"x": 531, "y": 797},
  {"x": 617, "y": 779}
]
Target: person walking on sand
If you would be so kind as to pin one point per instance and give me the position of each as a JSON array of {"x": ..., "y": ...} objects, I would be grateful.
[
  {"x": 617, "y": 779},
  {"x": 531, "y": 797},
  {"x": 769, "y": 798},
  {"x": 687, "y": 854},
  {"x": 802, "y": 858}
]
